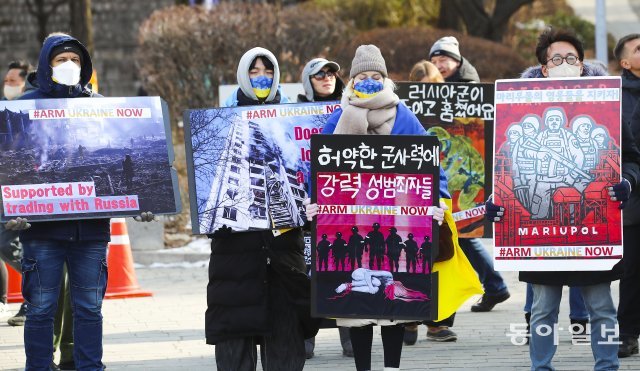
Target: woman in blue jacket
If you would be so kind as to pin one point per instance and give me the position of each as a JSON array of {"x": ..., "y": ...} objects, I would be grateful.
[{"x": 369, "y": 106}]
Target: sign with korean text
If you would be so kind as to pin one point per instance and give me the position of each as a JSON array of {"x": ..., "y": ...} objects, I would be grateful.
[
  {"x": 461, "y": 115},
  {"x": 372, "y": 243},
  {"x": 86, "y": 158},
  {"x": 248, "y": 167},
  {"x": 557, "y": 152}
]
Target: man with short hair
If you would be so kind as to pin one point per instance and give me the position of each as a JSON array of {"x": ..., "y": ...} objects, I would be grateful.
[
  {"x": 15, "y": 79},
  {"x": 627, "y": 52},
  {"x": 445, "y": 54}
]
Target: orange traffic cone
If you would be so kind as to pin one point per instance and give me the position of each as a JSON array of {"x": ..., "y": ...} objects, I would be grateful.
[
  {"x": 14, "y": 295},
  {"x": 122, "y": 276}
]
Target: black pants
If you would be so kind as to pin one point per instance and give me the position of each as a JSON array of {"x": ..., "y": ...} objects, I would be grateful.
[
  {"x": 361, "y": 338},
  {"x": 629, "y": 306},
  {"x": 282, "y": 350}
]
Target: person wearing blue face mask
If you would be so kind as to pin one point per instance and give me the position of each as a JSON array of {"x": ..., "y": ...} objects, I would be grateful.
[{"x": 258, "y": 79}]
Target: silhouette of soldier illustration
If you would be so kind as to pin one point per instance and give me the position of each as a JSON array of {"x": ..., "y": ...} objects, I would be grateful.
[
  {"x": 339, "y": 248},
  {"x": 410, "y": 252},
  {"x": 394, "y": 247},
  {"x": 375, "y": 241},
  {"x": 355, "y": 248},
  {"x": 425, "y": 253},
  {"x": 127, "y": 170},
  {"x": 323, "y": 252}
]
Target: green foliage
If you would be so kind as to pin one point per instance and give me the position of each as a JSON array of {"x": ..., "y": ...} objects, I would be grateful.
[{"x": 369, "y": 14}]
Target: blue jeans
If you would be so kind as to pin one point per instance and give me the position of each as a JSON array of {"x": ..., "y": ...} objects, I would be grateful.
[
  {"x": 577, "y": 308},
  {"x": 42, "y": 264},
  {"x": 544, "y": 319},
  {"x": 483, "y": 265}
]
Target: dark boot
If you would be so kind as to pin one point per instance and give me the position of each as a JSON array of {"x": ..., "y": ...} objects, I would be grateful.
[
  {"x": 410, "y": 334},
  {"x": 345, "y": 340},
  {"x": 309, "y": 346},
  {"x": 628, "y": 347}
]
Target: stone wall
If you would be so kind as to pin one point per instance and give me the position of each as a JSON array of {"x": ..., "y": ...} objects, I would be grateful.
[{"x": 115, "y": 29}]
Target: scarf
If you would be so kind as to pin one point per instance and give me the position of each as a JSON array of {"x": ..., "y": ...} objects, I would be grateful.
[{"x": 375, "y": 115}]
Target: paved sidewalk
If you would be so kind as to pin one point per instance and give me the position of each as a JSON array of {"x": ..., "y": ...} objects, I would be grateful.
[{"x": 166, "y": 332}]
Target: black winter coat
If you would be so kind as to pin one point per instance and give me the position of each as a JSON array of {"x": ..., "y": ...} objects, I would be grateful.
[{"x": 630, "y": 170}]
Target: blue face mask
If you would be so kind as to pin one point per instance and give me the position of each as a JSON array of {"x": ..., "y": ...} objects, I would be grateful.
[
  {"x": 368, "y": 87},
  {"x": 261, "y": 86}
]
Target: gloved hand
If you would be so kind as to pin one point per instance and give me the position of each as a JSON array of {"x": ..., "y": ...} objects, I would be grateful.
[
  {"x": 146, "y": 216},
  {"x": 222, "y": 232},
  {"x": 620, "y": 192},
  {"x": 17, "y": 224},
  {"x": 310, "y": 209},
  {"x": 493, "y": 212}
]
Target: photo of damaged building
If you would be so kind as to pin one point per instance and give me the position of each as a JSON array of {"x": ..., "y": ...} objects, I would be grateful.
[{"x": 255, "y": 186}]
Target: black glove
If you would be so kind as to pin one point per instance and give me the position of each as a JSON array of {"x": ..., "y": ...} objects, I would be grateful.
[
  {"x": 493, "y": 212},
  {"x": 620, "y": 192},
  {"x": 222, "y": 232}
]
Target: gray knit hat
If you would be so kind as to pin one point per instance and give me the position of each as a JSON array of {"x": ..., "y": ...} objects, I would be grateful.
[
  {"x": 368, "y": 58},
  {"x": 447, "y": 46}
]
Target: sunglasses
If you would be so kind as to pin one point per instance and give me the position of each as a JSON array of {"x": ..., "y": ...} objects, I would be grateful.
[{"x": 322, "y": 74}]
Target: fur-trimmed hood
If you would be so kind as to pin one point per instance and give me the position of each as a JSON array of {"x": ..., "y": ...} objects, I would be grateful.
[{"x": 589, "y": 69}]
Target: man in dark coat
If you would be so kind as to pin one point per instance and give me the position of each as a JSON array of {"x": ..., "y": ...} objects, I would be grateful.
[
  {"x": 627, "y": 52},
  {"x": 594, "y": 285}
]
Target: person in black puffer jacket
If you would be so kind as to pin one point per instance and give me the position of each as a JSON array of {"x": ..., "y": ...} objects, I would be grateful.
[{"x": 258, "y": 290}]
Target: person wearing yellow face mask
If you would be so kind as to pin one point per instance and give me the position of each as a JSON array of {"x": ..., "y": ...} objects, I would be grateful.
[
  {"x": 15, "y": 79},
  {"x": 258, "y": 79}
]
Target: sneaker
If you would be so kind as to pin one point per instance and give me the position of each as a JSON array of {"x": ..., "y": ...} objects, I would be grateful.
[
  {"x": 487, "y": 302},
  {"x": 20, "y": 317},
  {"x": 441, "y": 334},
  {"x": 628, "y": 347},
  {"x": 4, "y": 308},
  {"x": 410, "y": 334}
]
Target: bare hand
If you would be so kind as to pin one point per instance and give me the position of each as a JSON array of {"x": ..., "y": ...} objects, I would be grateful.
[
  {"x": 310, "y": 209},
  {"x": 17, "y": 224}
]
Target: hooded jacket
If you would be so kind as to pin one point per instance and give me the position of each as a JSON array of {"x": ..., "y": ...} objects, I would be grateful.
[
  {"x": 630, "y": 171},
  {"x": 630, "y": 94},
  {"x": 465, "y": 73},
  {"x": 245, "y": 91},
  {"x": 67, "y": 230},
  {"x": 309, "y": 93}
]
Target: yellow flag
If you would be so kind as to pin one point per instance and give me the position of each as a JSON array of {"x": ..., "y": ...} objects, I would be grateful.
[{"x": 457, "y": 281}]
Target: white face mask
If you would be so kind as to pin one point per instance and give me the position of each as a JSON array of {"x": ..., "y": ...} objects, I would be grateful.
[
  {"x": 67, "y": 73},
  {"x": 564, "y": 70},
  {"x": 12, "y": 92}
]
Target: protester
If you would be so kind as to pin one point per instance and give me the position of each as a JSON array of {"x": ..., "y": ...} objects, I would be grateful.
[
  {"x": 321, "y": 83},
  {"x": 267, "y": 267},
  {"x": 564, "y": 47},
  {"x": 425, "y": 71},
  {"x": 445, "y": 55},
  {"x": 64, "y": 70},
  {"x": 15, "y": 79},
  {"x": 627, "y": 52},
  {"x": 369, "y": 106}
]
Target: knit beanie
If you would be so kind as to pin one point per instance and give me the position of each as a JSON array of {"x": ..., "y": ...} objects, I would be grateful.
[
  {"x": 447, "y": 46},
  {"x": 368, "y": 58},
  {"x": 67, "y": 46}
]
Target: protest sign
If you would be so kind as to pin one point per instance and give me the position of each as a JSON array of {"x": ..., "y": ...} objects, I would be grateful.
[
  {"x": 248, "y": 167},
  {"x": 461, "y": 115},
  {"x": 86, "y": 158},
  {"x": 557, "y": 151},
  {"x": 373, "y": 240}
]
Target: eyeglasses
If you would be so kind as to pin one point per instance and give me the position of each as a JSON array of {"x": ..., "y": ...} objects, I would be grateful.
[
  {"x": 557, "y": 60},
  {"x": 322, "y": 74}
]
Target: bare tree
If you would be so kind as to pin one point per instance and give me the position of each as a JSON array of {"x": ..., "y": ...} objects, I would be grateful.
[
  {"x": 476, "y": 19},
  {"x": 42, "y": 12},
  {"x": 81, "y": 24}
]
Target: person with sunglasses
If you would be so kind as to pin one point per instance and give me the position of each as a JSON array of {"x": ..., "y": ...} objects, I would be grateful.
[{"x": 321, "y": 81}]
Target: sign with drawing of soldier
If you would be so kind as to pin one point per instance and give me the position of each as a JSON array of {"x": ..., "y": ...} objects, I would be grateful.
[
  {"x": 373, "y": 240},
  {"x": 461, "y": 115},
  {"x": 86, "y": 158},
  {"x": 248, "y": 167},
  {"x": 557, "y": 150}
]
